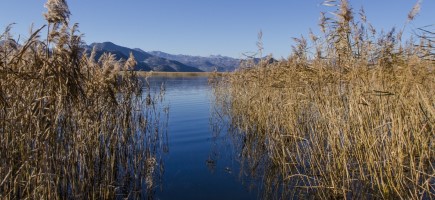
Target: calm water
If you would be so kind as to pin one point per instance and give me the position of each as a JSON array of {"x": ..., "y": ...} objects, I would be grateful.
[{"x": 199, "y": 164}]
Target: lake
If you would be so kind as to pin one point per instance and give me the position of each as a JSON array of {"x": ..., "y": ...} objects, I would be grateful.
[{"x": 199, "y": 163}]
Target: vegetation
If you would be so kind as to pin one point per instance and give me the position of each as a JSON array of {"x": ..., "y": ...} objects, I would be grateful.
[
  {"x": 70, "y": 127},
  {"x": 351, "y": 117}
]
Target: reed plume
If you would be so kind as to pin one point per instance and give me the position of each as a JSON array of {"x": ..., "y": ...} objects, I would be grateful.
[
  {"x": 414, "y": 11},
  {"x": 57, "y": 11}
]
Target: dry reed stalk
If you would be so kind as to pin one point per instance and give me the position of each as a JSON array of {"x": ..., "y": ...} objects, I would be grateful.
[
  {"x": 354, "y": 121},
  {"x": 70, "y": 126}
]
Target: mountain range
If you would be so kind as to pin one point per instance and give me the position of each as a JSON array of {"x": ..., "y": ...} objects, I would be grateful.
[
  {"x": 210, "y": 63},
  {"x": 161, "y": 61},
  {"x": 145, "y": 61}
]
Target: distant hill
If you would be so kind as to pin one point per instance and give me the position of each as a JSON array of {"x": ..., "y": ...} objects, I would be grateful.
[
  {"x": 210, "y": 63},
  {"x": 146, "y": 61}
]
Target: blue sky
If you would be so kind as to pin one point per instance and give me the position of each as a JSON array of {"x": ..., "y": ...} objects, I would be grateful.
[{"x": 206, "y": 27}]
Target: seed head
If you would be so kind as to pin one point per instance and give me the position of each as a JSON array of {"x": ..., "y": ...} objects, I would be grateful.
[
  {"x": 57, "y": 11},
  {"x": 346, "y": 12},
  {"x": 130, "y": 63},
  {"x": 415, "y": 10}
]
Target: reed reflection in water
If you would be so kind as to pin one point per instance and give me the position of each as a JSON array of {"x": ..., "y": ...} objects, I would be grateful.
[{"x": 200, "y": 163}]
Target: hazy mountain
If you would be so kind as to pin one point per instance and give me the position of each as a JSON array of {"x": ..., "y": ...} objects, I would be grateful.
[
  {"x": 210, "y": 63},
  {"x": 146, "y": 61}
]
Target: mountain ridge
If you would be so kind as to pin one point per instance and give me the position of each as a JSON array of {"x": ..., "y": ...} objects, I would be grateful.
[
  {"x": 210, "y": 63},
  {"x": 146, "y": 61}
]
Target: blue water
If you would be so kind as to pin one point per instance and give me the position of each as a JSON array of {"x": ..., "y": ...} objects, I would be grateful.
[{"x": 199, "y": 164}]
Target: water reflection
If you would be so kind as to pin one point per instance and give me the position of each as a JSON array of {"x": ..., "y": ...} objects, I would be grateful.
[
  {"x": 208, "y": 156},
  {"x": 250, "y": 151},
  {"x": 257, "y": 152},
  {"x": 202, "y": 163},
  {"x": 138, "y": 164}
]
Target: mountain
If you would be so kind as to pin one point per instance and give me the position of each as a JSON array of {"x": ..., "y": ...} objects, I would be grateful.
[
  {"x": 210, "y": 63},
  {"x": 146, "y": 61}
]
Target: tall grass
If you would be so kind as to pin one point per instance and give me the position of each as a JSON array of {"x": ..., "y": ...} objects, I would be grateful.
[
  {"x": 351, "y": 117},
  {"x": 70, "y": 126}
]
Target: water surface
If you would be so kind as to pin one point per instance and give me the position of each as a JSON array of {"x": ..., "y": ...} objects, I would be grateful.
[{"x": 199, "y": 164}]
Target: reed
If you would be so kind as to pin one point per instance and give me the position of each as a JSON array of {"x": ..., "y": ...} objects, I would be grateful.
[
  {"x": 353, "y": 118},
  {"x": 70, "y": 126}
]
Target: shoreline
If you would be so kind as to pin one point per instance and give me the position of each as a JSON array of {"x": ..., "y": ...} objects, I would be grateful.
[{"x": 181, "y": 74}]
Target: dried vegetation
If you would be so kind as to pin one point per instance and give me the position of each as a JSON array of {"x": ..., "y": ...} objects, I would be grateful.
[
  {"x": 350, "y": 113},
  {"x": 70, "y": 126}
]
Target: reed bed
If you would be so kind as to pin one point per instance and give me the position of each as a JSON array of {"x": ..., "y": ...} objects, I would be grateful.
[
  {"x": 350, "y": 114},
  {"x": 70, "y": 126}
]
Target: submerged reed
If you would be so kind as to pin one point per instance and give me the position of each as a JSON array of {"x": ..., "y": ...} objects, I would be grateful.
[
  {"x": 70, "y": 126},
  {"x": 353, "y": 120}
]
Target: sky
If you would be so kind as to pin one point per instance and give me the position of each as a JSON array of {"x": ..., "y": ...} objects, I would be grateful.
[{"x": 206, "y": 27}]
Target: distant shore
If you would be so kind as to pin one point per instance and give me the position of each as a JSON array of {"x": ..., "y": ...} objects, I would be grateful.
[{"x": 180, "y": 74}]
